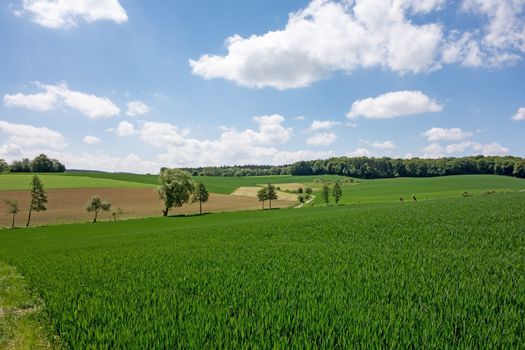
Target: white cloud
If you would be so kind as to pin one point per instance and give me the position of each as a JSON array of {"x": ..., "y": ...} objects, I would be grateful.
[
  {"x": 23, "y": 135},
  {"x": 502, "y": 39},
  {"x": 125, "y": 129},
  {"x": 92, "y": 140},
  {"x": 491, "y": 149},
  {"x": 394, "y": 104},
  {"x": 67, "y": 13},
  {"x": 360, "y": 152},
  {"x": 520, "y": 114},
  {"x": 321, "y": 139},
  {"x": 440, "y": 134},
  {"x": 323, "y": 124},
  {"x": 137, "y": 108},
  {"x": 458, "y": 147},
  {"x": 299, "y": 117},
  {"x": 55, "y": 95},
  {"x": 329, "y": 36},
  {"x": 434, "y": 150}
]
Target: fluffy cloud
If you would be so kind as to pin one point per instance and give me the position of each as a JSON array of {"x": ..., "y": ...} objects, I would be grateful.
[
  {"x": 55, "y": 95},
  {"x": 491, "y": 149},
  {"x": 92, "y": 140},
  {"x": 520, "y": 114},
  {"x": 393, "y": 104},
  {"x": 125, "y": 129},
  {"x": 67, "y": 13},
  {"x": 330, "y": 36},
  {"x": 360, "y": 152},
  {"x": 458, "y": 147},
  {"x": 434, "y": 150},
  {"x": 23, "y": 135},
  {"x": 321, "y": 139},
  {"x": 383, "y": 145},
  {"x": 440, "y": 134},
  {"x": 137, "y": 108},
  {"x": 323, "y": 124}
]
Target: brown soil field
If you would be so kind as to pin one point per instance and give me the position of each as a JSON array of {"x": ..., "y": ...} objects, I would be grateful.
[{"x": 68, "y": 205}]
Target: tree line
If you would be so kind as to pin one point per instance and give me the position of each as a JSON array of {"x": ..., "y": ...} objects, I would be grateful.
[
  {"x": 40, "y": 164},
  {"x": 373, "y": 168}
]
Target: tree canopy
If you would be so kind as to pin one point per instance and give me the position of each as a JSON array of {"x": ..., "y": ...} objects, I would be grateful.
[
  {"x": 38, "y": 197},
  {"x": 175, "y": 188}
]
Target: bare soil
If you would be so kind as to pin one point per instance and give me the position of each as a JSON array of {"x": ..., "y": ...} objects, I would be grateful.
[
  {"x": 251, "y": 192},
  {"x": 68, "y": 205}
]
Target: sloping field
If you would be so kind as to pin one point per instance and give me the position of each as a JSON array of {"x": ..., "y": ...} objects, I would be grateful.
[
  {"x": 12, "y": 182},
  {"x": 387, "y": 275},
  {"x": 68, "y": 205},
  {"x": 252, "y": 192},
  {"x": 224, "y": 185},
  {"x": 391, "y": 190}
]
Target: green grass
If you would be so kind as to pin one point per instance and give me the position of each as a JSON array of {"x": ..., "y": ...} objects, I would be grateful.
[
  {"x": 12, "y": 182},
  {"x": 214, "y": 184},
  {"x": 436, "y": 274},
  {"x": 391, "y": 190},
  {"x": 22, "y": 323}
]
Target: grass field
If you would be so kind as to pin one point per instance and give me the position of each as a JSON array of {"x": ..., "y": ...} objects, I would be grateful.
[
  {"x": 436, "y": 274},
  {"x": 21, "y": 181},
  {"x": 391, "y": 190}
]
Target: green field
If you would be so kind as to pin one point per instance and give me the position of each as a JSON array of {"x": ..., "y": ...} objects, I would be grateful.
[
  {"x": 22, "y": 181},
  {"x": 391, "y": 190},
  {"x": 435, "y": 274}
]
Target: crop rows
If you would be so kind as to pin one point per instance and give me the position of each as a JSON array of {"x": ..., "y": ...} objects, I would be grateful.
[{"x": 438, "y": 274}]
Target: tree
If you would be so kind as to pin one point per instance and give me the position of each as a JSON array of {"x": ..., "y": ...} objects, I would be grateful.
[
  {"x": 262, "y": 195},
  {"x": 38, "y": 197},
  {"x": 4, "y": 167},
  {"x": 12, "y": 209},
  {"x": 117, "y": 213},
  {"x": 325, "y": 193},
  {"x": 201, "y": 195},
  {"x": 42, "y": 164},
  {"x": 271, "y": 193},
  {"x": 337, "y": 192},
  {"x": 96, "y": 204},
  {"x": 175, "y": 188}
]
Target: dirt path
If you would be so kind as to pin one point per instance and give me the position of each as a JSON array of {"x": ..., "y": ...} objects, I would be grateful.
[{"x": 67, "y": 205}]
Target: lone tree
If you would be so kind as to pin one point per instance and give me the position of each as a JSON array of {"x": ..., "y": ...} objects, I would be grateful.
[
  {"x": 38, "y": 197},
  {"x": 12, "y": 209},
  {"x": 262, "y": 195},
  {"x": 325, "y": 193},
  {"x": 337, "y": 192},
  {"x": 201, "y": 195},
  {"x": 175, "y": 188},
  {"x": 271, "y": 193},
  {"x": 96, "y": 204}
]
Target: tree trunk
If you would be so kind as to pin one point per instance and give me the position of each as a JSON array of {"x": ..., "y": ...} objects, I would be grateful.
[
  {"x": 262, "y": 202},
  {"x": 13, "y": 223},
  {"x": 95, "y": 218},
  {"x": 200, "y": 207},
  {"x": 165, "y": 212},
  {"x": 29, "y": 217},
  {"x": 270, "y": 204}
]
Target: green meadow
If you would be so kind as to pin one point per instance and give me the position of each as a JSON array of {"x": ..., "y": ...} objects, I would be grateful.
[{"x": 447, "y": 273}]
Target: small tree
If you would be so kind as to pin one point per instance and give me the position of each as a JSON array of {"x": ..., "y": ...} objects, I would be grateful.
[
  {"x": 201, "y": 195},
  {"x": 262, "y": 195},
  {"x": 175, "y": 188},
  {"x": 4, "y": 167},
  {"x": 337, "y": 192},
  {"x": 38, "y": 197},
  {"x": 96, "y": 205},
  {"x": 308, "y": 191},
  {"x": 271, "y": 193},
  {"x": 325, "y": 193},
  {"x": 12, "y": 209},
  {"x": 117, "y": 213}
]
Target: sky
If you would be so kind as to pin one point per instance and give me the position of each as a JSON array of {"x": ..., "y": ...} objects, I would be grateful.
[{"x": 133, "y": 85}]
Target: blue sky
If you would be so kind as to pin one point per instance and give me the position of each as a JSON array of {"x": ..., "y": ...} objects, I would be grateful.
[{"x": 129, "y": 85}]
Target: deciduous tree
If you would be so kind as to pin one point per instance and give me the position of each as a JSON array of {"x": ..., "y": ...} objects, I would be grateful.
[
  {"x": 38, "y": 197},
  {"x": 175, "y": 188},
  {"x": 96, "y": 205},
  {"x": 201, "y": 195},
  {"x": 271, "y": 193},
  {"x": 337, "y": 192},
  {"x": 325, "y": 193},
  {"x": 12, "y": 209},
  {"x": 262, "y": 195}
]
